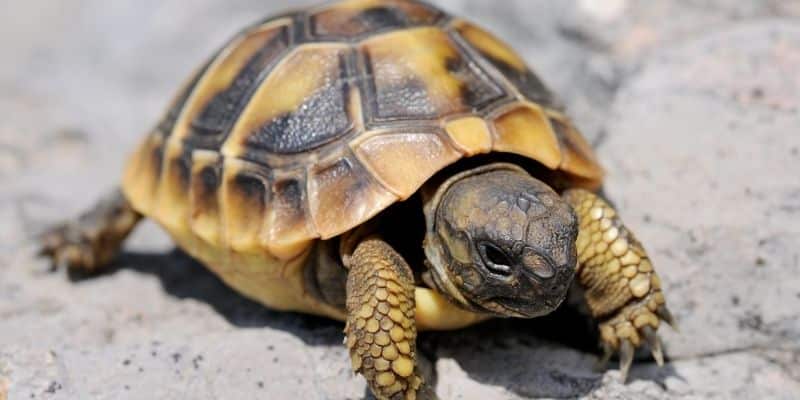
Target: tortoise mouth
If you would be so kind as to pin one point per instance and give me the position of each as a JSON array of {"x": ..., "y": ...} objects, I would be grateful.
[
  {"x": 521, "y": 308},
  {"x": 515, "y": 307},
  {"x": 499, "y": 306}
]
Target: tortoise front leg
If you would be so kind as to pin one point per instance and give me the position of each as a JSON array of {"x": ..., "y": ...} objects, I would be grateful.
[
  {"x": 381, "y": 329},
  {"x": 93, "y": 239},
  {"x": 623, "y": 291}
]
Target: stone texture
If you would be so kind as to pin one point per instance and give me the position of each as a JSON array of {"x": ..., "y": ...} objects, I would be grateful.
[{"x": 693, "y": 107}]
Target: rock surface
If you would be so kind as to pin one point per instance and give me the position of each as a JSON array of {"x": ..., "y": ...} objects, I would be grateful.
[{"x": 694, "y": 109}]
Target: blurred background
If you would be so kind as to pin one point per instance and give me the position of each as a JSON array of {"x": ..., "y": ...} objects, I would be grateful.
[{"x": 693, "y": 107}]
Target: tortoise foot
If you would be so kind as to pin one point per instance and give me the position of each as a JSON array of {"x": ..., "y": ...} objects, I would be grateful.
[
  {"x": 634, "y": 326},
  {"x": 622, "y": 289},
  {"x": 93, "y": 239}
]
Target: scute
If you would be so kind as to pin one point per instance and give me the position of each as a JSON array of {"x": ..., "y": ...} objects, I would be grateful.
[
  {"x": 342, "y": 195},
  {"x": 507, "y": 61},
  {"x": 470, "y": 134},
  {"x": 356, "y": 18},
  {"x": 289, "y": 226},
  {"x": 300, "y": 106},
  {"x": 171, "y": 206},
  {"x": 245, "y": 195},
  {"x": 203, "y": 195},
  {"x": 214, "y": 105},
  {"x": 525, "y": 130},
  {"x": 578, "y": 157},
  {"x": 143, "y": 172},
  {"x": 305, "y": 126},
  {"x": 421, "y": 155},
  {"x": 422, "y": 74}
]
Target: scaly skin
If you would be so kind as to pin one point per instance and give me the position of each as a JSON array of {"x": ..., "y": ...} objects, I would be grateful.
[
  {"x": 91, "y": 241},
  {"x": 623, "y": 291},
  {"x": 381, "y": 329}
]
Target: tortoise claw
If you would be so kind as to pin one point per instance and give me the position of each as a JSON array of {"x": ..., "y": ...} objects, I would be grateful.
[
  {"x": 663, "y": 312},
  {"x": 66, "y": 245},
  {"x": 50, "y": 241},
  {"x": 655, "y": 344},
  {"x": 608, "y": 351},
  {"x": 625, "y": 358},
  {"x": 634, "y": 326},
  {"x": 426, "y": 392}
]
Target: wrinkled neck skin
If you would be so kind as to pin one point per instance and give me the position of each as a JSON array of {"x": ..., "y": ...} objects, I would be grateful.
[{"x": 500, "y": 242}]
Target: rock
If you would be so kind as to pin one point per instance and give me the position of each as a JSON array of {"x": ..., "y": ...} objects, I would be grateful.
[
  {"x": 694, "y": 110},
  {"x": 700, "y": 131}
]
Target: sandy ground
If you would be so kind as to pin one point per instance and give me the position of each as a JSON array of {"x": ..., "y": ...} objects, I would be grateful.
[{"x": 693, "y": 108}]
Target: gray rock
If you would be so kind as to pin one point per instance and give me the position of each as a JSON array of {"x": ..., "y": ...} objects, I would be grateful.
[
  {"x": 701, "y": 131},
  {"x": 693, "y": 107}
]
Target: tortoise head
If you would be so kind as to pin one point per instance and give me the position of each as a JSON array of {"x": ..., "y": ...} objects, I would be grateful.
[{"x": 501, "y": 242}]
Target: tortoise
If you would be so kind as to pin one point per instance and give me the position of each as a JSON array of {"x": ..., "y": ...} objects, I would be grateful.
[{"x": 386, "y": 164}]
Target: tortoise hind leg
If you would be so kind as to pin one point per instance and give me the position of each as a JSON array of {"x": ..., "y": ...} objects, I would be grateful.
[
  {"x": 381, "y": 329},
  {"x": 94, "y": 238}
]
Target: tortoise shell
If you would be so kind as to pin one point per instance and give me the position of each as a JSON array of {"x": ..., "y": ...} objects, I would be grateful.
[{"x": 306, "y": 125}]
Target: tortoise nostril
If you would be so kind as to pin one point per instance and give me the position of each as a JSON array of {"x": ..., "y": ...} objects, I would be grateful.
[{"x": 495, "y": 259}]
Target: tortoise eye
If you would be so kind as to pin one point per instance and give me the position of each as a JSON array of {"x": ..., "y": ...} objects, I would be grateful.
[{"x": 495, "y": 259}]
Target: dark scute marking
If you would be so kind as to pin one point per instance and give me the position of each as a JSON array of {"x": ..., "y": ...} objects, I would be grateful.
[
  {"x": 526, "y": 82},
  {"x": 223, "y": 108},
  {"x": 534, "y": 89},
  {"x": 348, "y": 173},
  {"x": 205, "y": 186},
  {"x": 298, "y": 29},
  {"x": 378, "y": 18},
  {"x": 454, "y": 64},
  {"x": 331, "y": 25},
  {"x": 167, "y": 124},
  {"x": 209, "y": 178},
  {"x": 251, "y": 188},
  {"x": 477, "y": 90},
  {"x": 321, "y": 119},
  {"x": 183, "y": 166},
  {"x": 289, "y": 203},
  {"x": 566, "y": 140},
  {"x": 291, "y": 193},
  {"x": 410, "y": 97},
  {"x": 408, "y": 100},
  {"x": 157, "y": 158}
]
